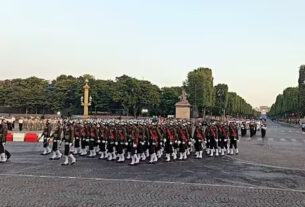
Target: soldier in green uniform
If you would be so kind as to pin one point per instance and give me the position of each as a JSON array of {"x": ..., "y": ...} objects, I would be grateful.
[
  {"x": 68, "y": 139},
  {"x": 233, "y": 133},
  {"x": 4, "y": 154},
  {"x": 199, "y": 140},
  {"x": 56, "y": 140},
  {"x": 46, "y": 137}
]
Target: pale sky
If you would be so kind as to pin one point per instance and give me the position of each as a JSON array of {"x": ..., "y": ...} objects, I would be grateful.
[{"x": 256, "y": 47}]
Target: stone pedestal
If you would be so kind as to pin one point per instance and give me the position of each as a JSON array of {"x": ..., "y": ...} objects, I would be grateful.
[{"x": 183, "y": 110}]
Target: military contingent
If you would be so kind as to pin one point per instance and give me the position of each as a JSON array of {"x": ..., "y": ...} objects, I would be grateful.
[{"x": 138, "y": 140}]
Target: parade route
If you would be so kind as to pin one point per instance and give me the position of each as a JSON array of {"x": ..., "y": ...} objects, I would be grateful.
[{"x": 265, "y": 173}]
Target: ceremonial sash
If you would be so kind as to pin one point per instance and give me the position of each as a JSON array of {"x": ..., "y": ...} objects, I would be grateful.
[
  {"x": 77, "y": 133},
  {"x": 234, "y": 132},
  {"x": 199, "y": 134},
  {"x": 226, "y": 133},
  {"x": 121, "y": 134},
  {"x": 213, "y": 132},
  {"x": 83, "y": 133},
  {"x": 170, "y": 135},
  {"x": 153, "y": 136},
  {"x": 93, "y": 134},
  {"x": 183, "y": 135},
  {"x": 135, "y": 138},
  {"x": 111, "y": 134}
]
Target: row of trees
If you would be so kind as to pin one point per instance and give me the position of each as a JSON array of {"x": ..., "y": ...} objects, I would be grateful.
[
  {"x": 204, "y": 96},
  {"x": 291, "y": 103},
  {"x": 125, "y": 95}
]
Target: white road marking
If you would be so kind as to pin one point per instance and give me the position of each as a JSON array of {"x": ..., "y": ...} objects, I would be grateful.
[
  {"x": 158, "y": 182},
  {"x": 283, "y": 140},
  {"x": 293, "y": 140}
]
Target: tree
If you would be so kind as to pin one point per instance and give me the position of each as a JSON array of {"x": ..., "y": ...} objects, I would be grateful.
[
  {"x": 286, "y": 103},
  {"x": 102, "y": 92},
  {"x": 169, "y": 97},
  {"x": 149, "y": 97},
  {"x": 127, "y": 92},
  {"x": 302, "y": 90},
  {"x": 199, "y": 86},
  {"x": 221, "y": 97}
]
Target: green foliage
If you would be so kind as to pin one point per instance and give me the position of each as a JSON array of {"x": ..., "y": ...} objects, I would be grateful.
[
  {"x": 199, "y": 86},
  {"x": 35, "y": 95},
  {"x": 237, "y": 106},
  {"x": 302, "y": 90},
  {"x": 221, "y": 97},
  {"x": 286, "y": 103},
  {"x": 291, "y": 101},
  {"x": 169, "y": 97}
]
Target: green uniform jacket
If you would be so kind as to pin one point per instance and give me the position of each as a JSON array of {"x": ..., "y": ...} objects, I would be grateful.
[{"x": 3, "y": 134}]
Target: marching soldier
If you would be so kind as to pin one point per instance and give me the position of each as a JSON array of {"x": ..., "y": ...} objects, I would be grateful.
[
  {"x": 213, "y": 134},
  {"x": 135, "y": 158},
  {"x": 169, "y": 143},
  {"x": 92, "y": 139},
  {"x": 152, "y": 143},
  {"x": 111, "y": 144},
  {"x": 68, "y": 139},
  {"x": 141, "y": 144},
  {"x": 263, "y": 130},
  {"x": 233, "y": 133},
  {"x": 83, "y": 131},
  {"x": 56, "y": 140},
  {"x": 120, "y": 143},
  {"x": 222, "y": 138},
  {"x": 252, "y": 129},
  {"x": 243, "y": 129},
  {"x": 46, "y": 137},
  {"x": 199, "y": 140},
  {"x": 4, "y": 154},
  {"x": 77, "y": 149},
  {"x": 103, "y": 142},
  {"x": 183, "y": 141}
]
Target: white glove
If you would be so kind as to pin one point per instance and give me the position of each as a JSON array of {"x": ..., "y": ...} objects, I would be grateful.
[
  {"x": 179, "y": 142},
  {"x": 134, "y": 145},
  {"x": 116, "y": 143}
]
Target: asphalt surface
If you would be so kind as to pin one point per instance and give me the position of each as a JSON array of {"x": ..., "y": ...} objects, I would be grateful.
[{"x": 267, "y": 172}]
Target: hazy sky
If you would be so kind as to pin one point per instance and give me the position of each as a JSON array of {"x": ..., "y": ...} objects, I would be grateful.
[{"x": 254, "y": 46}]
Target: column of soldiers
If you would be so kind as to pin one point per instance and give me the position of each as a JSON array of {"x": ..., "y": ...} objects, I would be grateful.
[{"x": 138, "y": 140}]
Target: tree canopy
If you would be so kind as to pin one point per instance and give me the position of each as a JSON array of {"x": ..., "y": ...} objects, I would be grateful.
[
  {"x": 126, "y": 95},
  {"x": 291, "y": 103}
]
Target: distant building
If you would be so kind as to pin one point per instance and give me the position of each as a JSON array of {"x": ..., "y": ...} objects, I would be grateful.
[{"x": 264, "y": 109}]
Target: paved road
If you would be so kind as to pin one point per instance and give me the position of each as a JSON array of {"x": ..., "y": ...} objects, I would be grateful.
[{"x": 267, "y": 172}]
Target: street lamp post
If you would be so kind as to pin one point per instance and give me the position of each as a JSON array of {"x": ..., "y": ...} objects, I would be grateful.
[{"x": 86, "y": 100}]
